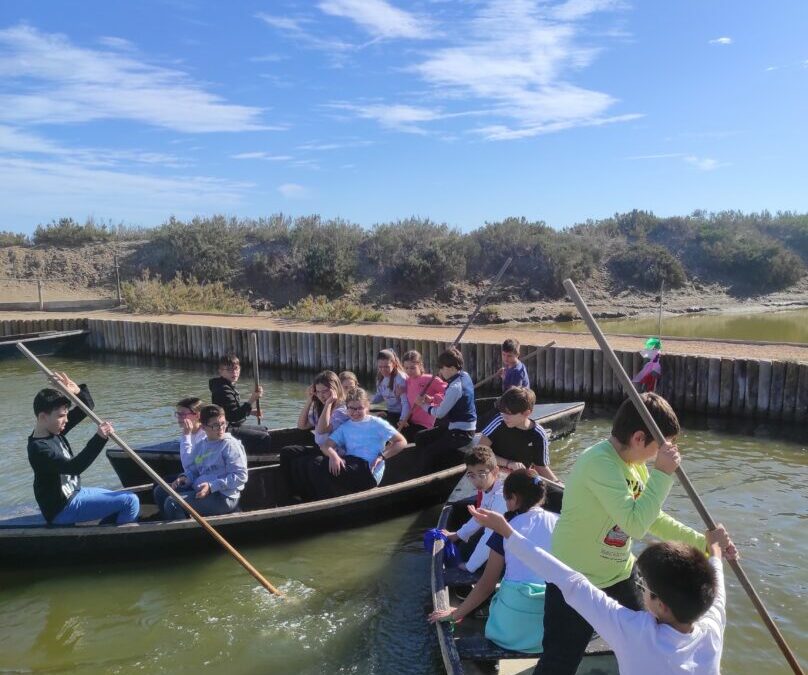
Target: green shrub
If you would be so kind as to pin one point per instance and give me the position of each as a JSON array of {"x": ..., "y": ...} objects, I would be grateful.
[
  {"x": 646, "y": 266},
  {"x": 325, "y": 253},
  {"x": 67, "y": 232},
  {"x": 207, "y": 249},
  {"x": 13, "y": 239},
  {"x": 320, "y": 308},
  {"x": 151, "y": 296},
  {"x": 433, "y": 317},
  {"x": 416, "y": 254}
]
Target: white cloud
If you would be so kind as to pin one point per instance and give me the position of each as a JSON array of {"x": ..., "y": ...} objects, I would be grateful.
[
  {"x": 64, "y": 83},
  {"x": 379, "y": 18},
  {"x": 295, "y": 30},
  {"x": 724, "y": 41},
  {"x": 262, "y": 155},
  {"x": 704, "y": 163},
  {"x": 32, "y": 189},
  {"x": 513, "y": 60},
  {"x": 292, "y": 191},
  {"x": 116, "y": 43}
]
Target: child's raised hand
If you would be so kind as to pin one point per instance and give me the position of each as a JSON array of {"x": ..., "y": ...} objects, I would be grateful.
[
  {"x": 66, "y": 382},
  {"x": 492, "y": 520},
  {"x": 105, "y": 430},
  {"x": 719, "y": 542},
  {"x": 187, "y": 426},
  {"x": 668, "y": 458}
]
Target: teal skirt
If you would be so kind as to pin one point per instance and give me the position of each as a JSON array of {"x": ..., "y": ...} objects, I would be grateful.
[{"x": 516, "y": 617}]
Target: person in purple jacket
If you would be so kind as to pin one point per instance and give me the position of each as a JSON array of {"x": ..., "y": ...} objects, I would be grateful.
[{"x": 513, "y": 371}]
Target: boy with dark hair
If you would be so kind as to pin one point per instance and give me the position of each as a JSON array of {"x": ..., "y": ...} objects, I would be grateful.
[
  {"x": 440, "y": 444},
  {"x": 681, "y": 629},
  {"x": 223, "y": 393},
  {"x": 610, "y": 497},
  {"x": 57, "y": 485},
  {"x": 216, "y": 473},
  {"x": 482, "y": 472},
  {"x": 513, "y": 371}
]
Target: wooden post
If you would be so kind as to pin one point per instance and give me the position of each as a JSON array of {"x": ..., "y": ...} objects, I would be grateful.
[
  {"x": 39, "y": 293},
  {"x": 725, "y": 402},
  {"x": 560, "y": 355},
  {"x": 752, "y": 374},
  {"x": 578, "y": 372},
  {"x": 801, "y": 411},
  {"x": 776, "y": 393},
  {"x": 679, "y": 383},
  {"x": 714, "y": 385},
  {"x": 790, "y": 391},
  {"x": 764, "y": 387},
  {"x": 691, "y": 377},
  {"x": 702, "y": 383},
  {"x": 549, "y": 371},
  {"x": 597, "y": 375},
  {"x": 607, "y": 381},
  {"x": 587, "y": 383},
  {"x": 739, "y": 385}
]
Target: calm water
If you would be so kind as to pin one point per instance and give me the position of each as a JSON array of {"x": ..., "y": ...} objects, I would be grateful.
[
  {"x": 787, "y": 326},
  {"x": 357, "y": 599}
]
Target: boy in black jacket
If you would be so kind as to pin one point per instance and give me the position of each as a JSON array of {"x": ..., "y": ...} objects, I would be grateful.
[
  {"x": 57, "y": 486},
  {"x": 223, "y": 393}
]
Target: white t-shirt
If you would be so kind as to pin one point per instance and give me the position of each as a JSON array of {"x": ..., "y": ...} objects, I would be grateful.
[
  {"x": 493, "y": 501},
  {"x": 641, "y": 644},
  {"x": 536, "y": 526}
]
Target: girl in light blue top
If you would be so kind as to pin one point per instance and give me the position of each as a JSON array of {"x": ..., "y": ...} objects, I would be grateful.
[{"x": 366, "y": 441}]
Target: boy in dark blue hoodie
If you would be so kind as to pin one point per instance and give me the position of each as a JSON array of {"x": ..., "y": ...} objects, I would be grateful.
[{"x": 458, "y": 411}]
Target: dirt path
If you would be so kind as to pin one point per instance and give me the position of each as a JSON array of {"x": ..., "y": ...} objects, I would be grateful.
[{"x": 786, "y": 352}]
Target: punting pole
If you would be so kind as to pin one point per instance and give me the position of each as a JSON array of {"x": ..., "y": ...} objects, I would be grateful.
[
  {"x": 256, "y": 374},
  {"x": 527, "y": 358},
  {"x": 471, "y": 318},
  {"x": 634, "y": 395},
  {"x": 153, "y": 474}
]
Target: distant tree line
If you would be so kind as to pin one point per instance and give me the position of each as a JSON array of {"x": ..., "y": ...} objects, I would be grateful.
[{"x": 416, "y": 256}]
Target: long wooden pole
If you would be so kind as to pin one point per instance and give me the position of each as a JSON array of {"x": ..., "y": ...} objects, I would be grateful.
[
  {"x": 635, "y": 397},
  {"x": 527, "y": 358},
  {"x": 153, "y": 475},
  {"x": 256, "y": 374},
  {"x": 471, "y": 318}
]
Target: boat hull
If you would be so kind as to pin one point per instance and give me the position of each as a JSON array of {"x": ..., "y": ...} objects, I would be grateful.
[{"x": 42, "y": 344}]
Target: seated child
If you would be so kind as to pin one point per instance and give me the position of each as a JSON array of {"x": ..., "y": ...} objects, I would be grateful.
[
  {"x": 216, "y": 473},
  {"x": 224, "y": 394},
  {"x": 513, "y": 371},
  {"x": 323, "y": 413},
  {"x": 418, "y": 420},
  {"x": 367, "y": 442},
  {"x": 611, "y": 497},
  {"x": 187, "y": 414},
  {"x": 391, "y": 386},
  {"x": 517, "y": 440},
  {"x": 515, "y": 613},
  {"x": 348, "y": 380},
  {"x": 681, "y": 629},
  {"x": 441, "y": 444},
  {"x": 57, "y": 485},
  {"x": 482, "y": 471}
]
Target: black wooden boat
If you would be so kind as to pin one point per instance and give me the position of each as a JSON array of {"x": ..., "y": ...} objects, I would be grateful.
[
  {"x": 267, "y": 512},
  {"x": 466, "y": 650},
  {"x": 42, "y": 343},
  {"x": 164, "y": 458}
]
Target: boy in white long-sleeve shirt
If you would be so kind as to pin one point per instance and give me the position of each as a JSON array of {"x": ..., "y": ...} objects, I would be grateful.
[
  {"x": 482, "y": 471},
  {"x": 681, "y": 629}
]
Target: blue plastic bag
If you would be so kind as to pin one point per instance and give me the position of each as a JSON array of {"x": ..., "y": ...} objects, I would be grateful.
[{"x": 451, "y": 555}]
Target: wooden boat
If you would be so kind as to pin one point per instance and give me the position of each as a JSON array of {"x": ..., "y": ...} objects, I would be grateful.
[
  {"x": 466, "y": 650},
  {"x": 164, "y": 458},
  {"x": 43, "y": 343},
  {"x": 267, "y": 512}
]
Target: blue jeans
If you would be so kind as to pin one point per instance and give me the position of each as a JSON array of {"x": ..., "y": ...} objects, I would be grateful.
[
  {"x": 99, "y": 504},
  {"x": 215, "y": 504}
]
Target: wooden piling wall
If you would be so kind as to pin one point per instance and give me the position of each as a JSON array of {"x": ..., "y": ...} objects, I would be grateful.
[{"x": 733, "y": 387}]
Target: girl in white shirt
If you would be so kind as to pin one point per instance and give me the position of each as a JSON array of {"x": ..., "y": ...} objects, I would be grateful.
[{"x": 517, "y": 610}]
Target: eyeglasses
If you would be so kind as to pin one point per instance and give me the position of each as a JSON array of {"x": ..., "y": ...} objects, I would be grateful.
[
  {"x": 355, "y": 408},
  {"x": 481, "y": 474},
  {"x": 217, "y": 425},
  {"x": 643, "y": 586}
]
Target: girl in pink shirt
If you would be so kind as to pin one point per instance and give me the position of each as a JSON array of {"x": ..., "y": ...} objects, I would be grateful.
[{"x": 416, "y": 380}]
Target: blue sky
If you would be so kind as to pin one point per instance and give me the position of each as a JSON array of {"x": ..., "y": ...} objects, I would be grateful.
[{"x": 374, "y": 110}]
